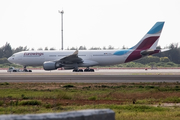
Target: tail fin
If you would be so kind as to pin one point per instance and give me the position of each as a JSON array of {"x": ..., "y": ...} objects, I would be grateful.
[
  {"x": 147, "y": 45},
  {"x": 150, "y": 40}
]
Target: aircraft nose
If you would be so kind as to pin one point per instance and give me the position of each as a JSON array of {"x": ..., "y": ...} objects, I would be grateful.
[{"x": 9, "y": 59}]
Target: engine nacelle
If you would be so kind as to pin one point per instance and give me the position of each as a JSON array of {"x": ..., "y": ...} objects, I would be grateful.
[{"x": 51, "y": 65}]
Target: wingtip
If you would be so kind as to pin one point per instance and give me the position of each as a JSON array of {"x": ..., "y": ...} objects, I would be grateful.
[{"x": 76, "y": 52}]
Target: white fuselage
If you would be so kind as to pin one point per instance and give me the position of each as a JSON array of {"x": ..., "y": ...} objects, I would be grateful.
[{"x": 37, "y": 58}]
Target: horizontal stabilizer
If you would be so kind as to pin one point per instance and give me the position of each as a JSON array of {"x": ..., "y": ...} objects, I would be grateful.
[
  {"x": 163, "y": 50},
  {"x": 147, "y": 52}
]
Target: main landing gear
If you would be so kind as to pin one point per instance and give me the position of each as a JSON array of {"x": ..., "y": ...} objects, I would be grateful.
[
  {"x": 88, "y": 70},
  {"x": 79, "y": 70},
  {"x": 25, "y": 70},
  {"x": 85, "y": 70}
]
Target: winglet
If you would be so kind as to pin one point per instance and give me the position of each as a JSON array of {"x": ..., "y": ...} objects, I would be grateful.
[{"x": 76, "y": 52}]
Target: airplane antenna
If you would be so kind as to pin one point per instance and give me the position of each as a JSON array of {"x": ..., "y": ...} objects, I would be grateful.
[{"x": 61, "y": 26}]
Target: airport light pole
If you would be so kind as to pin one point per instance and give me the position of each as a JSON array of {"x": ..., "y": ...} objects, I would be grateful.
[{"x": 61, "y": 27}]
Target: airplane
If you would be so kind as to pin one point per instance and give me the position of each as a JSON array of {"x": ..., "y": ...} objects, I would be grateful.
[{"x": 70, "y": 59}]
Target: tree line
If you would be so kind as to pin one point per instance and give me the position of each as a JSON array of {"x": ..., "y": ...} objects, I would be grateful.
[
  {"x": 6, "y": 50},
  {"x": 172, "y": 55}
]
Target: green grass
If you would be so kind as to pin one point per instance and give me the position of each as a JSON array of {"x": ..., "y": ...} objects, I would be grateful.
[
  {"x": 119, "y": 109},
  {"x": 128, "y": 100},
  {"x": 172, "y": 99},
  {"x": 17, "y": 93}
]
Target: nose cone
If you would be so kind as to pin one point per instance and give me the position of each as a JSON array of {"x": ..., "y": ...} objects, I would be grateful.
[{"x": 9, "y": 59}]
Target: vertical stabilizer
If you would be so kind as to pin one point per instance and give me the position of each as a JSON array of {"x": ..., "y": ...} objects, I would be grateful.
[
  {"x": 150, "y": 40},
  {"x": 147, "y": 43}
]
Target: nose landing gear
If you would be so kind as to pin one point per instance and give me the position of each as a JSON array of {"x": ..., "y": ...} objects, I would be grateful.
[{"x": 26, "y": 70}]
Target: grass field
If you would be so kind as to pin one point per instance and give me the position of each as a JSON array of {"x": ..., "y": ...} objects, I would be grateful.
[{"x": 128, "y": 100}]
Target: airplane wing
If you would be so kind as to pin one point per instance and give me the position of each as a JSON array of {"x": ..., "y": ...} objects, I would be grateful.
[{"x": 73, "y": 58}]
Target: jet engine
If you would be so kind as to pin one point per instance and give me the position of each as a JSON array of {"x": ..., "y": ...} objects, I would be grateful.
[{"x": 51, "y": 65}]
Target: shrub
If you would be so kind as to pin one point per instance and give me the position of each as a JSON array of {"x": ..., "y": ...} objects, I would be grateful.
[
  {"x": 164, "y": 59},
  {"x": 171, "y": 64},
  {"x": 5, "y": 83},
  {"x": 172, "y": 99},
  {"x": 140, "y": 86},
  {"x": 48, "y": 105},
  {"x": 160, "y": 64},
  {"x": 3, "y": 60},
  {"x": 93, "y": 98},
  {"x": 1, "y": 103},
  {"x": 68, "y": 86},
  {"x": 104, "y": 86},
  {"x": 64, "y": 95},
  {"x": 148, "y": 59},
  {"x": 24, "y": 97},
  {"x": 150, "y": 87},
  {"x": 130, "y": 64},
  {"x": 152, "y": 64},
  {"x": 14, "y": 102},
  {"x": 30, "y": 102}
]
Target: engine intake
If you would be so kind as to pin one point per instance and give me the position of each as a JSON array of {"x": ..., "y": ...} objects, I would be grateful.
[{"x": 51, "y": 65}]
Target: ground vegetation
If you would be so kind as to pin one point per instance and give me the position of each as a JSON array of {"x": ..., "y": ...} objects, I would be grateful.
[{"x": 128, "y": 100}]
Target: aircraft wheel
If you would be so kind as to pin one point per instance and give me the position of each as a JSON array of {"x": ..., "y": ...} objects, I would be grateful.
[
  {"x": 75, "y": 70},
  {"x": 80, "y": 70},
  {"x": 86, "y": 70},
  {"x": 91, "y": 70}
]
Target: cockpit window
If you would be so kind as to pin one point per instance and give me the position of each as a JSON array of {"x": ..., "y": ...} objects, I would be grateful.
[{"x": 13, "y": 55}]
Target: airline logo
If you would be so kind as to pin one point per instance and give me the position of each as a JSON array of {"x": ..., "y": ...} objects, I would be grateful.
[
  {"x": 35, "y": 54},
  {"x": 148, "y": 40}
]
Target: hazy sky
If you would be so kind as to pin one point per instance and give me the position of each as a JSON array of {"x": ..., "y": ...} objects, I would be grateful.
[{"x": 91, "y": 23}]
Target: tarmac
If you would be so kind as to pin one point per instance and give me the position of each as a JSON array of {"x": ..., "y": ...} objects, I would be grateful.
[{"x": 99, "y": 76}]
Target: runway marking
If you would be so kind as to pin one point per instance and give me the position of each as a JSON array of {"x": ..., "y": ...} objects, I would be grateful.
[{"x": 90, "y": 78}]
